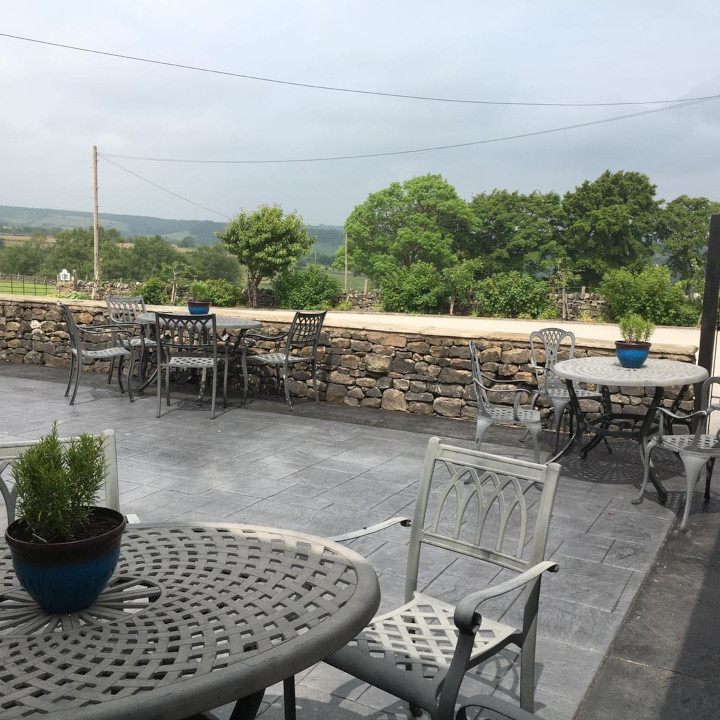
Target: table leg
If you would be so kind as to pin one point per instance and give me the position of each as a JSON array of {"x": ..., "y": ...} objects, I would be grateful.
[
  {"x": 642, "y": 437},
  {"x": 246, "y": 708}
]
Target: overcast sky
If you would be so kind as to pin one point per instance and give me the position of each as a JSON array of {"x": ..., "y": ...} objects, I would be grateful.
[{"x": 57, "y": 103}]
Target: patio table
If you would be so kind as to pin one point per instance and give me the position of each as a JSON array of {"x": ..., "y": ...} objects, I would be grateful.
[
  {"x": 608, "y": 372},
  {"x": 195, "y": 616},
  {"x": 226, "y": 323}
]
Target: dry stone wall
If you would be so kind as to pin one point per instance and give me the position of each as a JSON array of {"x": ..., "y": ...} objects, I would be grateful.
[{"x": 417, "y": 373}]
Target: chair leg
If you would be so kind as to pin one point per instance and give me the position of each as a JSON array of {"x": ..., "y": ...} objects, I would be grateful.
[
  {"x": 708, "y": 477},
  {"x": 693, "y": 465},
  {"x": 481, "y": 426},
  {"x": 214, "y": 392},
  {"x": 159, "y": 389},
  {"x": 314, "y": 374},
  {"x": 286, "y": 373},
  {"x": 535, "y": 429},
  {"x": 289, "y": 697},
  {"x": 559, "y": 407},
  {"x": 78, "y": 370},
  {"x": 70, "y": 376},
  {"x": 246, "y": 380},
  {"x": 110, "y": 371}
]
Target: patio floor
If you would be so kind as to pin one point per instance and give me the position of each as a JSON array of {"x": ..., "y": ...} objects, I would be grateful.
[{"x": 328, "y": 468}]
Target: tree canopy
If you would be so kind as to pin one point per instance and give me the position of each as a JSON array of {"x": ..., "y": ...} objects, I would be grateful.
[
  {"x": 422, "y": 219},
  {"x": 266, "y": 242}
]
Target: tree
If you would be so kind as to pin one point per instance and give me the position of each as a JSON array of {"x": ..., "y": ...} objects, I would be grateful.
[
  {"x": 73, "y": 250},
  {"x": 684, "y": 228},
  {"x": 517, "y": 232},
  {"x": 213, "y": 262},
  {"x": 421, "y": 220},
  {"x": 267, "y": 242},
  {"x": 26, "y": 258},
  {"x": 460, "y": 282},
  {"x": 415, "y": 289},
  {"x": 153, "y": 257},
  {"x": 612, "y": 222}
]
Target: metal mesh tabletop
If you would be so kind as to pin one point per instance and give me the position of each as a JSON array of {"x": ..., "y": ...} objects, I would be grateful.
[
  {"x": 608, "y": 371},
  {"x": 194, "y": 617}
]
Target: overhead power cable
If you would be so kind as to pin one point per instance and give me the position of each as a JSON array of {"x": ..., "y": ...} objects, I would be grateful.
[
  {"x": 332, "y": 88},
  {"x": 416, "y": 150},
  {"x": 160, "y": 187}
]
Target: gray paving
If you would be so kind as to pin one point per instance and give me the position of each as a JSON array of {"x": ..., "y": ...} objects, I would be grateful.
[{"x": 326, "y": 469}]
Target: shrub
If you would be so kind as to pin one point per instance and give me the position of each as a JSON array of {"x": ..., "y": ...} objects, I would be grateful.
[
  {"x": 154, "y": 291},
  {"x": 635, "y": 328},
  {"x": 310, "y": 288},
  {"x": 512, "y": 295},
  {"x": 650, "y": 293},
  {"x": 218, "y": 292},
  {"x": 417, "y": 289}
]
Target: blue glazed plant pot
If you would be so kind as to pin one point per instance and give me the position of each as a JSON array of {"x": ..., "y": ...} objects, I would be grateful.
[
  {"x": 67, "y": 577},
  {"x": 632, "y": 355},
  {"x": 198, "y": 307}
]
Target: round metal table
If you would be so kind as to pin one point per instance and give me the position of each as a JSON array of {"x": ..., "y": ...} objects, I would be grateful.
[
  {"x": 195, "y": 617},
  {"x": 607, "y": 372}
]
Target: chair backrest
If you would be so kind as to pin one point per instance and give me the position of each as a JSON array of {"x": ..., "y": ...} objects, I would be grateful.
[
  {"x": 305, "y": 330},
  {"x": 186, "y": 335},
  {"x": 490, "y": 508},
  {"x": 484, "y": 406},
  {"x": 124, "y": 309},
  {"x": 551, "y": 340},
  {"x": 9, "y": 452},
  {"x": 71, "y": 326},
  {"x": 701, "y": 442}
]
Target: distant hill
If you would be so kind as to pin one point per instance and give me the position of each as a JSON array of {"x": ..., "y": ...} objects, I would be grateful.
[{"x": 28, "y": 220}]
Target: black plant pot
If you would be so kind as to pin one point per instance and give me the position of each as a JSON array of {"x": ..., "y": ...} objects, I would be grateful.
[{"x": 67, "y": 577}]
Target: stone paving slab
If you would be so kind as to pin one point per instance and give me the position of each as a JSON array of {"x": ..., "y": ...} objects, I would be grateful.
[{"x": 326, "y": 469}]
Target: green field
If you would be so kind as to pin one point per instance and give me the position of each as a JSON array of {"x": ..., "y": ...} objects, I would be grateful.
[{"x": 17, "y": 287}]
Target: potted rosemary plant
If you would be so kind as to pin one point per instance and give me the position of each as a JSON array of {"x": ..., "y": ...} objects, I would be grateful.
[
  {"x": 633, "y": 349},
  {"x": 200, "y": 298},
  {"x": 64, "y": 549}
]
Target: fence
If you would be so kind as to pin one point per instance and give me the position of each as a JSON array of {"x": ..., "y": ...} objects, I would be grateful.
[{"x": 26, "y": 285}]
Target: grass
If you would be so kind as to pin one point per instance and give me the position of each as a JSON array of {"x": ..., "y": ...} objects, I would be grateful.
[{"x": 17, "y": 288}]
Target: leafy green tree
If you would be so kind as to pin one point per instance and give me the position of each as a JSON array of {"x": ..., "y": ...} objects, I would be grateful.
[
  {"x": 267, "y": 242},
  {"x": 518, "y": 232},
  {"x": 650, "y": 293},
  {"x": 155, "y": 291},
  {"x": 684, "y": 229},
  {"x": 422, "y": 219},
  {"x": 152, "y": 256},
  {"x": 213, "y": 262},
  {"x": 26, "y": 258},
  {"x": 73, "y": 250},
  {"x": 612, "y": 222},
  {"x": 310, "y": 288},
  {"x": 415, "y": 289},
  {"x": 187, "y": 242},
  {"x": 512, "y": 295},
  {"x": 219, "y": 292},
  {"x": 460, "y": 282}
]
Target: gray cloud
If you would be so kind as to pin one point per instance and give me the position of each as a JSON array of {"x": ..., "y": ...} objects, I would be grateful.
[{"x": 58, "y": 103}]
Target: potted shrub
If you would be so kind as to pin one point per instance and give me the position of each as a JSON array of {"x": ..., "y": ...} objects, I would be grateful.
[
  {"x": 200, "y": 298},
  {"x": 633, "y": 349},
  {"x": 64, "y": 549}
]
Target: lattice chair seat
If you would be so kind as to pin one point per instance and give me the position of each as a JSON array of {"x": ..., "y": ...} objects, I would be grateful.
[
  {"x": 191, "y": 362},
  {"x": 494, "y": 511},
  {"x": 508, "y": 415},
  {"x": 697, "y": 450},
  {"x": 273, "y": 359},
  {"x": 562, "y": 393},
  {"x": 416, "y": 643},
  {"x": 138, "y": 341},
  {"x": 111, "y": 352}
]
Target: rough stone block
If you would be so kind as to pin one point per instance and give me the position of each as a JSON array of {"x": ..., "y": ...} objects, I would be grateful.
[
  {"x": 420, "y": 408},
  {"x": 451, "y": 375},
  {"x": 394, "y": 400},
  {"x": 378, "y": 363},
  {"x": 447, "y": 407}
]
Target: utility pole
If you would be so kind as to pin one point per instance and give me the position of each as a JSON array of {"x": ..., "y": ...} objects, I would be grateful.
[
  {"x": 96, "y": 227},
  {"x": 346, "y": 285}
]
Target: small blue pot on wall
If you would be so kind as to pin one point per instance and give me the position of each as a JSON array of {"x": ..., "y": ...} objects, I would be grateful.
[
  {"x": 67, "y": 577},
  {"x": 632, "y": 355},
  {"x": 198, "y": 307}
]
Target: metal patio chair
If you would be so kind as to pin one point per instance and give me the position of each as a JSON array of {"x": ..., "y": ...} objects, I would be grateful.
[
  {"x": 123, "y": 312},
  {"x": 84, "y": 337},
  {"x": 550, "y": 385},
  {"x": 188, "y": 342},
  {"x": 697, "y": 449},
  {"x": 490, "y": 414},
  {"x": 304, "y": 332},
  {"x": 487, "y": 707},
  {"x": 495, "y": 510},
  {"x": 9, "y": 451}
]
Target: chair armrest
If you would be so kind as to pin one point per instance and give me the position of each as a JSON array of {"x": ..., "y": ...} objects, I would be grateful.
[
  {"x": 466, "y": 610},
  {"x": 405, "y": 522}
]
